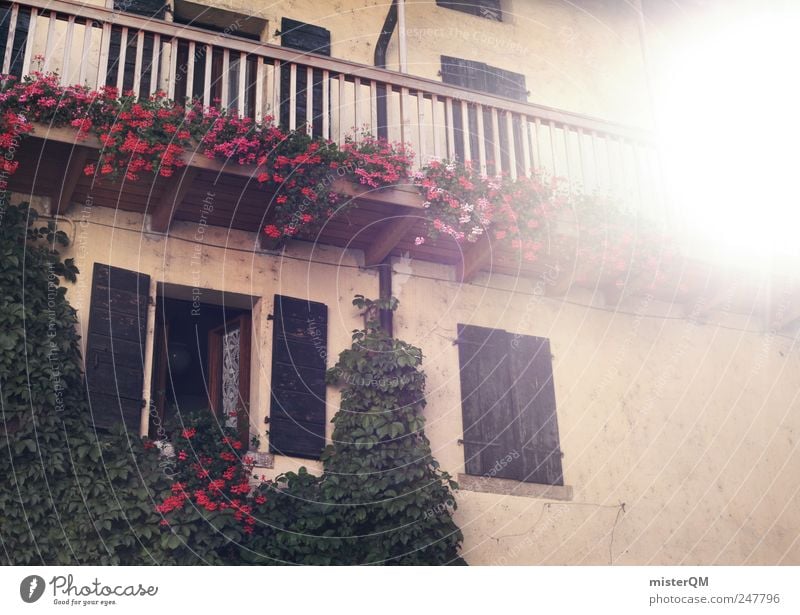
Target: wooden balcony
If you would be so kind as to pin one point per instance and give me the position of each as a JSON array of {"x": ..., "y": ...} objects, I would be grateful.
[{"x": 327, "y": 97}]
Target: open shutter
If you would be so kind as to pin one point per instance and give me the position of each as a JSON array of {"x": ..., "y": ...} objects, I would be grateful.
[
  {"x": 115, "y": 345},
  {"x": 491, "y": 446},
  {"x": 535, "y": 401},
  {"x": 297, "y": 401}
]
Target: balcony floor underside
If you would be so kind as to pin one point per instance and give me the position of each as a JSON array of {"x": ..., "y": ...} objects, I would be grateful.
[{"x": 383, "y": 223}]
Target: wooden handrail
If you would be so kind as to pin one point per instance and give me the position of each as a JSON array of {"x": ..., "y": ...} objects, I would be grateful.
[{"x": 397, "y": 80}]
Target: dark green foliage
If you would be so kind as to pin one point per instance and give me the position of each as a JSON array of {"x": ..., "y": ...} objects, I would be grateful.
[
  {"x": 68, "y": 495},
  {"x": 382, "y": 498},
  {"x": 73, "y": 495}
]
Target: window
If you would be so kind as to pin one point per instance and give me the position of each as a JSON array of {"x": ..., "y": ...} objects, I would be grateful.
[
  {"x": 308, "y": 39},
  {"x": 508, "y": 406},
  {"x": 202, "y": 358},
  {"x": 297, "y": 400},
  {"x": 481, "y": 77},
  {"x": 154, "y": 9},
  {"x": 489, "y": 9},
  {"x": 228, "y": 23},
  {"x": 219, "y": 20}
]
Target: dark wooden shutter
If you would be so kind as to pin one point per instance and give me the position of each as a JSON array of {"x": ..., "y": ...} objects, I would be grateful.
[
  {"x": 297, "y": 400},
  {"x": 491, "y": 446},
  {"x": 115, "y": 345},
  {"x": 308, "y": 39},
  {"x": 465, "y": 73},
  {"x": 508, "y": 406},
  {"x": 488, "y": 9},
  {"x": 20, "y": 36},
  {"x": 305, "y": 37},
  {"x": 508, "y": 84},
  {"x": 154, "y": 9},
  {"x": 535, "y": 400},
  {"x": 481, "y": 77}
]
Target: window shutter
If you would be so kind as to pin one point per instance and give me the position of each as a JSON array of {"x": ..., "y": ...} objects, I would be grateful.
[
  {"x": 297, "y": 404},
  {"x": 491, "y": 446},
  {"x": 465, "y": 73},
  {"x": 305, "y": 37},
  {"x": 20, "y": 36},
  {"x": 535, "y": 400},
  {"x": 488, "y": 9},
  {"x": 509, "y": 84},
  {"x": 509, "y": 407},
  {"x": 310, "y": 39},
  {"x": 115, "y": 345},
  {"x": 147, "y": 8}
]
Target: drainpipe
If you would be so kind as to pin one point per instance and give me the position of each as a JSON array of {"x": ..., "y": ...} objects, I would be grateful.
[
  {"x": 396, "y": 17},
  {"x": 401, "y": 39},
  {"x": 386, "y": 35},
  {"x": 380, "y": 61},
  {"x": 385, "y": 290}
]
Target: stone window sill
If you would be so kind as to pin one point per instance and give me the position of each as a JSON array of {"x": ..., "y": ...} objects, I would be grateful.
[{"x": 504, "y": 486}]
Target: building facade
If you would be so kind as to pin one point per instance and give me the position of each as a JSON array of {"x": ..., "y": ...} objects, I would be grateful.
[{"x": 667, "y": 416}]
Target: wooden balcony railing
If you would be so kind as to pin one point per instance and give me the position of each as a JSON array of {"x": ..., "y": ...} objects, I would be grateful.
[{"x": 328, "y": 97}]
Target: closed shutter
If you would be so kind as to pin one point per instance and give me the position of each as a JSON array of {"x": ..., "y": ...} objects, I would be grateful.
[
  {"x": 535, "y": 399},
  {"x": 148, "y": 8},
  {"x": 297, "y": 400},
  {"x": 481, "y": 77},
  {"x": 508, "y": 406},
  {"x": 508, "y": 84},
  {"x": 305, "y": 37},
  {"x": 20, "y": 36},
  {"x": 465, "y": 73},
  {"x": 114, "y": 50},
  {"x": 309, "y": 39},
  {"x": 115, "y": 345},
  {"x": 491, "y": 445},
  {"x": 488, "y": 9}
]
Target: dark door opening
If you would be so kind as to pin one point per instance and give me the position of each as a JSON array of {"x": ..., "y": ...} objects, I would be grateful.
[{"x": 202, "y": 363}]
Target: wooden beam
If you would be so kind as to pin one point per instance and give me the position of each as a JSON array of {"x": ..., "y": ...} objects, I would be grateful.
[
  {"x": 475, "y": 257},
  {"x": 171, "y": 198},
  {"x": 407, "y": 196},
  {"x": 392, "y": 234},
  {"x": 75, "y": 166}
]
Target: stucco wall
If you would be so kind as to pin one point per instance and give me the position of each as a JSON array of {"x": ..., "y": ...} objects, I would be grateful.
[
  {"x": 580, "y": 56},
  {"x": 693, "y": 427}
]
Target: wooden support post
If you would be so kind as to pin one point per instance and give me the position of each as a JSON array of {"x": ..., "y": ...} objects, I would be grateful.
[
  {"x": 174, "y": 192},
  {"x": 392, "y": 234},
  {"x": 475, "y": 258},
  {"x": 77, "y": 162}
]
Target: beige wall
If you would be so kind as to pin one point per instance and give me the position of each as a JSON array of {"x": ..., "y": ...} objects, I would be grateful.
[{"x": 693, "y": 427}]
